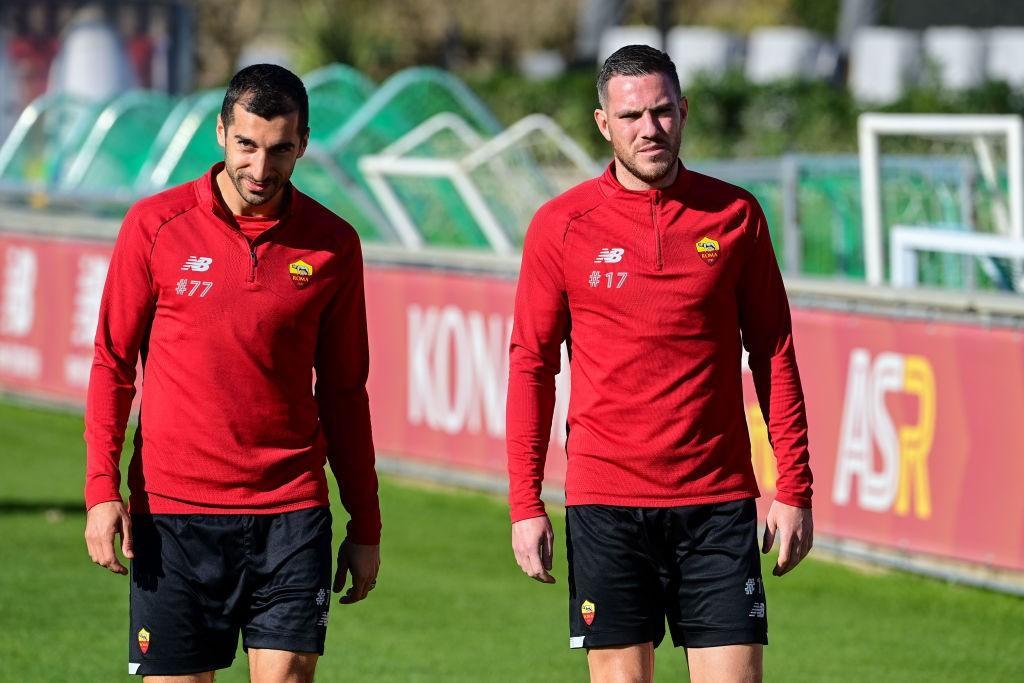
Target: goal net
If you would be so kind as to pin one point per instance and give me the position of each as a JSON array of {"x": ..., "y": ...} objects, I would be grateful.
[{"x": 952, "y": 177}]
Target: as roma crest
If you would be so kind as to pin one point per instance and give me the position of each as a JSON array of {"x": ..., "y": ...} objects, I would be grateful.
[
  {"x": 588, "y": 610},
  {"x": 300, "y": 272},
  {"x": 708, "y": 250},
  {"x": 144, "y": 640}
]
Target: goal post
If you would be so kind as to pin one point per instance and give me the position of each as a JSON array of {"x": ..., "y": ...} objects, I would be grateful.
[{"x": 976, "y": 128}]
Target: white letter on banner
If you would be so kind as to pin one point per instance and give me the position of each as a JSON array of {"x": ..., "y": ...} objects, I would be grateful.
[
  {"x": 92, "y": 272},
  {"x": 880, "y": 489},
  {"x": 450, "y": 408},
  {"x": 853, "y": 458},
  {"x": 17, "y": 311},
  {"x": 420, "y": 331},
  {"x": 491, "y": 377}
]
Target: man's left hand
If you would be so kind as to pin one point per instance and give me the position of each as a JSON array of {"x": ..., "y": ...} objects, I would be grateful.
[
  {"x": 363, "y": 561},
  {"x": 795, "y": 529}
]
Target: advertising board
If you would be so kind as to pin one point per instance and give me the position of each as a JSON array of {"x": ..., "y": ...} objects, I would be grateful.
[{"x": 915, "y": 425}]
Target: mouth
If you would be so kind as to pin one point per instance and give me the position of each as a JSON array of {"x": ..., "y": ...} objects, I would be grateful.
[
  {"x": 254, "y": 186},
  {"x": 652, "y": 151}
]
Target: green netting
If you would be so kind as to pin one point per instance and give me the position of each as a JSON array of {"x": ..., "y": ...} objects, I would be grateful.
[
  {"x": 512, "y": 195},
  {"x": 335, "y": 93},
  {"x": 435, "y": 207},
  {"x": 117, "y": 147},
  {"x": 316, "y": 176},
  {"x": 541, "y": 163},
  {"x": 434, "y": 204},
  {"x": 406, "y": 100},
  {"x": 193, "y": 147},
  {"x": 915, "y": 191},
  {"x": 830, "y": 228},
  {"x": 443, "y": 144},
  {"x": 401, "y": 104},
  {"x": 167, "y": 131},
  {"x": 42, "y": 138},
  {"x": 511, "y": 183},
  {"x": 527, "y": 171}
]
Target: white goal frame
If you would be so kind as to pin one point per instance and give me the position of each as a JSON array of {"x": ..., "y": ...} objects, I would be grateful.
[{"x": 871, "y": 127}]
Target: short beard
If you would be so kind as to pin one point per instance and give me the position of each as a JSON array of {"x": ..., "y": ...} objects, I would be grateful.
[
  {"x": 654, "y": 173},
  {"x": 652, "y": 176},
  {"x": 248, "y": 197}
]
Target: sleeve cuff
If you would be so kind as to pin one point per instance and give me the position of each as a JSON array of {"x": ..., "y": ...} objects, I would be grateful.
[
  {"x": 519, "y": 513},
  {"x": 101, "y": 489},
  {"x": 797, "y": 500},
  {"x": 363, "y": 534}
]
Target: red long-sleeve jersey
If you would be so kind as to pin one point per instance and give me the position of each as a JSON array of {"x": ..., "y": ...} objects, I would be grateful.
[
  {"x": 652, "y": 291},
  {"x": 230, "y": 332}
]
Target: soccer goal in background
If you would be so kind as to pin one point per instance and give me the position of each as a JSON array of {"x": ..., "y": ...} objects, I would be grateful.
[{"x": 983, "y": 249}]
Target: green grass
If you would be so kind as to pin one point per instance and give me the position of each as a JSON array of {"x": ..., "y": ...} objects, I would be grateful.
[{"x": 451, "y": 605}]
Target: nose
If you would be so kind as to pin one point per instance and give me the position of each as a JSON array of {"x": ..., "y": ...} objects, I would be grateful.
[
  {"x": 649, "y": 127},
  {"x": 259, "y": 165}
]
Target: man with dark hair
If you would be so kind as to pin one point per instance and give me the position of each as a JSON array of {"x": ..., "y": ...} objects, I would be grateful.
[
  {"x": 271, "y": 91},
  {"x": 653, "y": 274},
  {"x": 234, "y": 288}
]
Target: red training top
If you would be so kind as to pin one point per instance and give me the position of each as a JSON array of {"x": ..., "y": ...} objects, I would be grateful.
[
  {"x": 651, "y": 290},
  {"x": 230, "y": 333}
]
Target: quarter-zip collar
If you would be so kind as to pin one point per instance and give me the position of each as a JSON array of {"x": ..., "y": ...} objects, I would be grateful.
[
  {"x": 611, "y": 187},
  {"x": 211, "y": 201},
  {"x": 655, "y": 198}
]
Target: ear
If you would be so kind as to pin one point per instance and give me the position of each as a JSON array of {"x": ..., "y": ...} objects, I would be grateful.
[
  {"x": 303, "y": 143},
  {"x": 222, "y": 133},
  {"x": 684, "y": 110},
  {"x": 601, "y": 118}
]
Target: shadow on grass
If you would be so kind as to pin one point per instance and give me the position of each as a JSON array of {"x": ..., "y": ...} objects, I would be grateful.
[{"x": 28, "y": 507}]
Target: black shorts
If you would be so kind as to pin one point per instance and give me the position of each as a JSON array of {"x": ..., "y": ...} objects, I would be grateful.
[
  {"x": 631, "y": 568},
  {"x": 197, "y": 580}
]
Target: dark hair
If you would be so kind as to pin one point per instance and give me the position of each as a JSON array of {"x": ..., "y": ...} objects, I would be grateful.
[
  {"x": 635, "y": 60},
  {"x": 267, "y": 90}
]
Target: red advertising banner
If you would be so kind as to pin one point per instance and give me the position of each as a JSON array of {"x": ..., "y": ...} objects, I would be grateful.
[
  {"x": 915, "y": 426},
  {"x": 50, "y": 294},
  {"x": 439, "y": 369},
  {"x": 916, "y": 433}
]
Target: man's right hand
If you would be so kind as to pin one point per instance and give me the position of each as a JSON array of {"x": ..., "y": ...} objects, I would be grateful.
[
  {"x": 532, "y": 543},
  {"x": 102, "y": 523}
]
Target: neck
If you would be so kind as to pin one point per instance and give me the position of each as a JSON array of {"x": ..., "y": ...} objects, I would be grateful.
[
  {"x": 631, "y": 182},
  {"x": 238, "y": 206}
]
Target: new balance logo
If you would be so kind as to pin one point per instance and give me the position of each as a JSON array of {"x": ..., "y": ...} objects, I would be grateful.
[
  {"x": 610, "y": 255},
  {"x": 200, "y": 264},
  {"x": 757, "y": 611}
]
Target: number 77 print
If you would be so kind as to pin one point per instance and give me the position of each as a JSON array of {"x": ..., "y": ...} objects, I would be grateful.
[{"x": 183, "y": 289}]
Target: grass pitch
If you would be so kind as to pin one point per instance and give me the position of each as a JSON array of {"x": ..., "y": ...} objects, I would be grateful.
[{"x": 451, "y": 605}]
